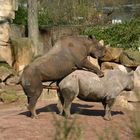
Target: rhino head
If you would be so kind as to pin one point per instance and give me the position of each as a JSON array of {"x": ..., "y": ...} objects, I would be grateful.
[{"x": 97, "y": 48}]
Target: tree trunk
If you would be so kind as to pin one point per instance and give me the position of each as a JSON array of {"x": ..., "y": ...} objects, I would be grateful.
[{"x": 33, "y": 29}]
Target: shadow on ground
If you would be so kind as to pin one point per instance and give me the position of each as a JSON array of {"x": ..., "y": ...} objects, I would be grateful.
[{"x": 83, "y": 109}]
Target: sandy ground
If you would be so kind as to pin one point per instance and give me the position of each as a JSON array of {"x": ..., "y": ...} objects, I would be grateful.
[{"x": 16, "y": 125}]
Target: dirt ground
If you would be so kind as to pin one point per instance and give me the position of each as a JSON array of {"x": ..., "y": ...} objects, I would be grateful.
[{"x": 16, "y": 125}]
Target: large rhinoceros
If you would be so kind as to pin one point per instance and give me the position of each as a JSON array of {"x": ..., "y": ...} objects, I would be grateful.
[
  {"x": 68, "y": 54},
  {"x": 88, "y": 86}
]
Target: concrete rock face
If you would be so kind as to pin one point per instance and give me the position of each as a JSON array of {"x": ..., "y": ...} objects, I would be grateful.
[
  {"x": 8, "y": 8},
  {"x": 6, "y": 54},
  {"x": 23, "y": 52},
  {"x": 130, "y": 58},
  {"x": 7, "y": 11},
  {"x": 5, "y": 48},
  {"x": 4, "y": 34}
]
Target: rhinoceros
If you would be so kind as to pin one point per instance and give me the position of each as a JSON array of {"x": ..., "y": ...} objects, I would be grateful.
[
  {"x": 68, "y": 54},
  {"x": 88, "y": 86}
]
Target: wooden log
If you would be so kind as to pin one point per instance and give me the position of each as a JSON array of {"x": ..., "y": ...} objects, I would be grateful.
[{"x": 51, "y": 87}]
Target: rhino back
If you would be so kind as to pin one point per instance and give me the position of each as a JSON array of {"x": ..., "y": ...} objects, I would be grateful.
[
  {"x": 60, "y": 60},
  {"x": 90, "y": 86}
]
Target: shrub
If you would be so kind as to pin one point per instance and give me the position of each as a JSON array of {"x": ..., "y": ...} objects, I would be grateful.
[
  {"x": 21, "y": 16},
  {"x": 66, "y": 129},
  {"x": 125, "y": 35},
  {"x": 45, "y": 17}
]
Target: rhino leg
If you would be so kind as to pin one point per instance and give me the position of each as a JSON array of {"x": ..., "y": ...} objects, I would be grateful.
[
  {"x": 68, "y": 97},
  {"x": 60, "y": 102},
  {"x": 67, "y": 107},
  {"x": 32, "y": 95},
  {"x": 88, "y": 65},
  {"x": 108, "y": 106}
]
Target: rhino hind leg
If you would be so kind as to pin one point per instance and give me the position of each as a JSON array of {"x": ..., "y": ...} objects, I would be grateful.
[
  {"x": 108, "y": 106},
  {"x": 68, "y": 97},
  {"x": 60, "y": 102},
  {"x": 32, "y": 95}
]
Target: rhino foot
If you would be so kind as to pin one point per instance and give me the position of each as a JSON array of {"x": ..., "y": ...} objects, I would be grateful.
[
  {"x": 69, "y": 117},
  {"x": 34, "y": 116},
  {"x": 107, "y": 118}
]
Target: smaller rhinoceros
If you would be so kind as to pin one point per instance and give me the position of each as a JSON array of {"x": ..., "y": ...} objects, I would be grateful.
[{"x": 88, "y": 86}]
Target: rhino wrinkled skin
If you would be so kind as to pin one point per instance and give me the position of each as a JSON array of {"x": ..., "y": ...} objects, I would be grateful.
[
  {"x": 68, "y": 54},
  {"x": 88, "y": 86}
]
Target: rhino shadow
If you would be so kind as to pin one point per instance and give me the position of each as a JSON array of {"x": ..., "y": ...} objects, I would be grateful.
[
  {"x": 49, "y": 108},
  {"x": 77, "y": 108},
  {"x": 80, "y": 109}
]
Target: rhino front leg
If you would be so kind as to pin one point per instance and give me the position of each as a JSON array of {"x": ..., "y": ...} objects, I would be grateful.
[
  {"x": 89, "y": 66},
  {"x": 108, "y": 106}
]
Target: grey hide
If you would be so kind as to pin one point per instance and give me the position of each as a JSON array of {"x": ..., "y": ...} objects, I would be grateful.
[{"x": 88, "y": 86}]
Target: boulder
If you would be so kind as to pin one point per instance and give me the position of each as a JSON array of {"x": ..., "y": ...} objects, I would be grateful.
[
  {"x": 137, "y": 82},
  {"x": 13, "y": 80},
  {"x": 5, "y": 73},
  {"x": 130, "y": 58},
  {"x": 134, "y": 95},
  {"x": 123, "y": 102},
  {"x": 2, "y": 60},
  {"x": 110, "y": 65},
  {"x": 23, "y": 52},
  {"x": 112, "y": 54},
  {"x": 130, "y": 96},
  {"x": 8, "y": 75}
]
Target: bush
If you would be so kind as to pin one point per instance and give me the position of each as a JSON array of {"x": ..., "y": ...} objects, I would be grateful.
[
  {"x": 125, "y": 35},
  {"x": 44, "y": 17},
  {"x": 66, "y": 129},
  {"x": 21, "y": 16}
]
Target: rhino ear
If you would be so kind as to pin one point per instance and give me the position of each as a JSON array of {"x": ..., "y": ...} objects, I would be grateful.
[{"x": 101, "y": 42}]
